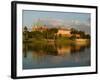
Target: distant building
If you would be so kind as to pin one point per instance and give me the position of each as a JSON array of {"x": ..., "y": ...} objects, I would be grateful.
[
  {"x": 78, "y": 36},
  {"x": 64, "y": 32},
  {"x": 39, "y": 28}
]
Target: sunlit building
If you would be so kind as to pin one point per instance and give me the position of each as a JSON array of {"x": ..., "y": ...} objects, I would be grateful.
[{"x": 64, "y": 32}]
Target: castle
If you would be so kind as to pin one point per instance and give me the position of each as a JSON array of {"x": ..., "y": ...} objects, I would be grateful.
[{"x": 62, "y": 31}]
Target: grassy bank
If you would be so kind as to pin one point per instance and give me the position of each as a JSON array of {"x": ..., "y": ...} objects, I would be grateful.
[{"x": 58, "y": 41}]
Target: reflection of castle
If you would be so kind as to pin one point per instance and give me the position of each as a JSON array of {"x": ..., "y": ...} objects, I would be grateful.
[{"x": 42, "y": 50}]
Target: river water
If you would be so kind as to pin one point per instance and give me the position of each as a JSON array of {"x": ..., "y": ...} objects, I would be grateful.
[{"x": 37, "y": 56}]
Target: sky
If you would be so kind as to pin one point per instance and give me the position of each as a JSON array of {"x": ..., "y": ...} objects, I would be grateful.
[{"x": 80, "y": 21}]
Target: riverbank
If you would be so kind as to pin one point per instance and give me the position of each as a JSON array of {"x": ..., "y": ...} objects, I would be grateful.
[{"x": 60, "y": 41}]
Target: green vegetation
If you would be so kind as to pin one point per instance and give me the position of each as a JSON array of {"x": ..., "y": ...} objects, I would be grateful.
[
  {"x": 47, "y": 34},
  {"x": 81, "y": 33},
  {"x": 50, "y": 35}
]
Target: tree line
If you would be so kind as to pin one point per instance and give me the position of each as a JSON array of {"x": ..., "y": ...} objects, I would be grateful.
[{"x": 52, "y": 34}]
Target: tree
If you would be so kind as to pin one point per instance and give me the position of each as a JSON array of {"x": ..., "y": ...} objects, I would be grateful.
[
  {"x": 37, "y": 34},
  {"x": 74, "y": 31},
  {"x": 73, "y": 37},
  {"x": 54, "y": 30},
  {"x": 87, "y": 36},
  {"x": 45, "y": 34},
  {"x": 82, "y": 34},
  {"x": 25, "y": 28},
  {"x": 53, "y": 33},
  {"x": 25, "y": 33}
]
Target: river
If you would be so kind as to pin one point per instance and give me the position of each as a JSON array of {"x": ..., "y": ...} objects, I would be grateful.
[{"x": 37, "y": 56}]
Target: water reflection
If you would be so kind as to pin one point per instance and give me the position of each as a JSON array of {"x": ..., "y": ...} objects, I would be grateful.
[
  {"x": 55, "y": 55},
  {"x": 52, "y": 49}
]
